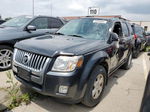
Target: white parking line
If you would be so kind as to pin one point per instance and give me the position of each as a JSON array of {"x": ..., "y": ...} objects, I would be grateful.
[{"x": 145, "y": 67}]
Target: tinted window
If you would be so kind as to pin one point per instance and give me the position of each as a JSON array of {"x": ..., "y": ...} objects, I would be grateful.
[
  {"x": 40, "y": 23},
  {"x": 130, "y": 29},
  {"x": 125, "y": 29},
  {"x": 55, "y": 23}
]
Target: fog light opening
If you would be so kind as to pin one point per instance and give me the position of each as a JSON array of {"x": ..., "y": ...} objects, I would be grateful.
[{"x": 63, "y": 89}]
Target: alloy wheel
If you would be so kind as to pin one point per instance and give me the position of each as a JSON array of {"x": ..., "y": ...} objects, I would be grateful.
[
  {"x": 5, "y": 58},
  {"x": 98, "y": 86}
]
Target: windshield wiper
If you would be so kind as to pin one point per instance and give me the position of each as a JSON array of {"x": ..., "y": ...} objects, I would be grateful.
[
  {"x": 76, "y": 36},
  {"x": 58, "y": 33}
]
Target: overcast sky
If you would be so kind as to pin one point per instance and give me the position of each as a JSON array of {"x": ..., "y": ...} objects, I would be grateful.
[{"x": 130, "y": 9}]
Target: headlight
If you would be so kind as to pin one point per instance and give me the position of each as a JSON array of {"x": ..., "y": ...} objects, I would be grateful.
[{"x": 67, "y": 63}]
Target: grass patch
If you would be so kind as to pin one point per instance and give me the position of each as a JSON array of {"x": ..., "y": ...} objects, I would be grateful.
[
  {"x": 147, "y": 48},
  {"x": 15, "y": 95}
]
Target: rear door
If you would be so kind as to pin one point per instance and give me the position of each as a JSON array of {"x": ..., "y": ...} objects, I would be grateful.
[{"x": 42, "y": 26}]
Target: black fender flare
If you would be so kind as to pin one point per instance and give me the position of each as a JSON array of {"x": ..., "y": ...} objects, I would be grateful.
[
  {"x": 97, "y": 58},
  {"x": 10, "y": 44}
]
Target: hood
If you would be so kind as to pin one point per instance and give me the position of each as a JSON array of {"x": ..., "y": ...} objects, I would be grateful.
[
  {"x": 52, "y": 45},
  {"x": 7, "y": 33}
]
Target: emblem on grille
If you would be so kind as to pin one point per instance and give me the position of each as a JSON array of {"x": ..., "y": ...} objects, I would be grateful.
[{"x": 26, "y": 58}]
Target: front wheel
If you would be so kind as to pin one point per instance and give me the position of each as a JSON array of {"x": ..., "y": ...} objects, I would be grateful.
[
  {"x": 128, "y": 63},
  {"x": 95, "y": 87},
  {"x": 6, "y": 53},
  {"x": 136, "y": 51}
]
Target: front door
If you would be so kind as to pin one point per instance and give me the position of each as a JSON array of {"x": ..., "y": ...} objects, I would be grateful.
[
  {"x": 124, "y": 42},
  {"x": 42, "y": 27}
]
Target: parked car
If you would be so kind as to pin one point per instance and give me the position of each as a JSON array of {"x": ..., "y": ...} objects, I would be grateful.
[
  {"x": 20, "y": 28},
  {"x": 140, "y": 39},
  {"x": 148, "y": 38},
  {"x": 75, "y": 63},
  {"x": 2, "y": 21}
]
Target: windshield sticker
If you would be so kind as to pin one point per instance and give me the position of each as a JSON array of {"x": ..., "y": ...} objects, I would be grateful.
[
  {"x": 99, "y": 21},
  {"x": 28, "y": 17}
]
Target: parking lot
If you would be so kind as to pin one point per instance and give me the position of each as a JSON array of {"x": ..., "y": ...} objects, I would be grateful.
[
  {"x": 122, "y": 94},
  {"x": 95, "y": 53}
]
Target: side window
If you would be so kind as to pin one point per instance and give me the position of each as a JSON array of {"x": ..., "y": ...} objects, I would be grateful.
[
  {"x": 55, "y": 23},
  {"x": 117, "y": 29},
  {"x": 40, "y": 23},
  {"x": 125, "y": 29},
  {"x": 130, "y": 29}
]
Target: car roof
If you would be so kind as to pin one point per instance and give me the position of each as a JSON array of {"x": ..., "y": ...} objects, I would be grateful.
[
  {"x": 37, "y": 16},
  {"x": 105, "y": 18},
  {"x": 62, "y": 19},
  {"x": 33, "y": 17},
  {"x": 136, "y": 25}
]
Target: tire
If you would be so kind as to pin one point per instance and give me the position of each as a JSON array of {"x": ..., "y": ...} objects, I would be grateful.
[
  {"x": 90, "y": 99},
  {"x": 128, "y": 63},
  {"x": 6, "y": 53},
  {"x": 136, "y": 53}
]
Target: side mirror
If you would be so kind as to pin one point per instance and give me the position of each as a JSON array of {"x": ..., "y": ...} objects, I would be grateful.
[
  {"x": 148, "y": 53},
  {"x": 114, "y": 37},
  {"x": 31, "y": 28}
]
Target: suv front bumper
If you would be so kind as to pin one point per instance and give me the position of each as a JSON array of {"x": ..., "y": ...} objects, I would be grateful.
[{"x": 52, "y": 81}]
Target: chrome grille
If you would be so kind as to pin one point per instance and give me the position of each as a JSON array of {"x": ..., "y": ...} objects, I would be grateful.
[{"x": 30, "y": 60}]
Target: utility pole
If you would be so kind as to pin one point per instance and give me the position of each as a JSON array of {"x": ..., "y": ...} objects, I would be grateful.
[
  {"x": 51, "y": 7},
  {"x": 32, "y": 7}
]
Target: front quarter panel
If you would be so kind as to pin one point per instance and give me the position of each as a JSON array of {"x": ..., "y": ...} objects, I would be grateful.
[{"x": 91, "y": 60}]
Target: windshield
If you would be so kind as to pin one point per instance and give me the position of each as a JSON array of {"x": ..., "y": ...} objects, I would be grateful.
[
  {"x": 89, "y": 28},
  {"x": 17, "y": 22}
]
